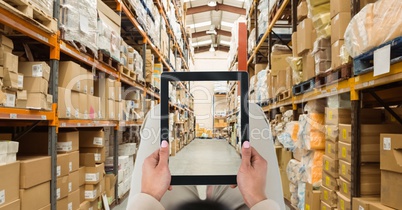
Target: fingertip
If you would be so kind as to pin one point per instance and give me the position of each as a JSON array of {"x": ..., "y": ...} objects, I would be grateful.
[
  {"x": 164, "y": 144},
  {"x": 246, "y": 144}
]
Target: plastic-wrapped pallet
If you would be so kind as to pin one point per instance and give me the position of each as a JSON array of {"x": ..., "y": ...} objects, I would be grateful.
[
  {"x": 366, "y": 29},
  {"x": 319, "y": 12},
  {"x": 322, "y": 55},
  {"x": 312, "y": 162},
  {"x": 301, "y": 193},
  {"x": 286, "y": 138},
  {"x": 312, "y": 131},
  {"x": 251, "y": 41},
  {"x": 108, "y": 38},
  {"x": 78, "y": 22},
  {"x": 44, "y": 5},
  {"x": 295, "y": 64}
]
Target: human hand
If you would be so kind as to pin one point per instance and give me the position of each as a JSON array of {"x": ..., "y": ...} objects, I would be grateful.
[
  {"x": 251, "y": 178},
  {"x": 155, "y": 173}
]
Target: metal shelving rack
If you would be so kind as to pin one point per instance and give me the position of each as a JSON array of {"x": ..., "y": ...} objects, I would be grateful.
[{"x": 32, "y": 118}]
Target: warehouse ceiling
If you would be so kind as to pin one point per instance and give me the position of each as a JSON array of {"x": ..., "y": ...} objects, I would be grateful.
[{"x": 202, "y": 18}]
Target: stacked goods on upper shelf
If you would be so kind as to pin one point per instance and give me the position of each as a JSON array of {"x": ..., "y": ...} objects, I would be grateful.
[
  {"x": 366, "y": 29},
  {"x": 252, "y": 42},
  {"x": 108, "y": 30},
  {"x": 44, "y": 5},
  {"x": 265, "y": 7},
  {"x": 78, "y": 23},
  {"x": 340, "y": 18},
  {"x": 262, "y": 86},
  {"x": 280, "y": 75},
  {"x": 135, "y": 62},
  {"x": 134, "y": 104}
]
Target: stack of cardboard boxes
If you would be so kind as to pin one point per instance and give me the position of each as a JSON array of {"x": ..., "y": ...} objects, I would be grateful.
[
  {"x": 284, "y": 156},
  {"x": 280, "y": 75},
  {"x": 8, "y": 72},
  {"x": 110, "y": 93},
  {"x": 108, "y": 30},
  {"x": 149, "y": 67},
  {"x": 125, "y": 168},
  {"x": 340, "y": 18},
  {"x": 134, "y": 104}
]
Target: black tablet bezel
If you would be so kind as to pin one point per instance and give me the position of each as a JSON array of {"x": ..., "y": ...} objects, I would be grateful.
[{"x": 242, "y": 77}]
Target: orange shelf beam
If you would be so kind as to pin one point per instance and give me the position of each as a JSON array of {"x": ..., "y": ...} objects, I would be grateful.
[
  {"x": 64, "y": 123},
  {"x": 25, "y": 114}
]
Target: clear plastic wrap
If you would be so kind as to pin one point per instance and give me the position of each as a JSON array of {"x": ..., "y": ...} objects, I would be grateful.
[
  {"x": 312, "y": 131},
  {"x": 319, "y": 12},
  {"x": 374, "y": 25},
  {"x": 301, "y": 194},
  {"x": 297, "y": 68},
  {"x": 294, "y": 171},
  {"x": 108, "y": 39},
  {"x": 312, "y": 161},
  {"x": 251, "y": 41},
  {"x": 44, "y": 5},
  {"x": 78, "y": 22},
  {"x": 286, "y": 137}
]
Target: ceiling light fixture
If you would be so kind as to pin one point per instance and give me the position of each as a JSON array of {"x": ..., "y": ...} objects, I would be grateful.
[
  {"x": 212, "y": 3},
  {"x": 212, "y": 48}
]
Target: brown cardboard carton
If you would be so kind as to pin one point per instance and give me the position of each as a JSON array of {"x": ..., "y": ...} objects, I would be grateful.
[
  {"x": 83, "y": 106},
  {"x": 370, "y": 179},
  {"x": 7, "y": 43},
  {"x": 336, "y": 116},
  {"x": 34, "y": 170},
  {"x": 90, "y": 156},
  {"x": 93, "y": 175},
  {"x": 64, "y": 106},
  {"x": 67, "y": 141},
  {"x": 93, "y": 107},
  {"x": 62, "y": 187},
  {"x": 7, "y": 98},
  {"x": 73, "y": 181},
  {"x": 294, "y": 44},
  {"x": 110, "y": 90},
  {"x": 30, "y": 198},
  {"x": 363, "y": 203},
  {"x": 284, "y": 157},
  {"x": 331, "y": 150},
  {"x": 62, "y": 204},
  {"x": 85, "y": 205},
  {"x": 10, "y": 79},
  {"x": 302, "y": 11},
  {"x": 16, "y": 204},
  {"x": 117, "y": 114},
  {"x": 345, "y": 170},
  {"x": 371, "y": 116},
  {"x": 9, "y": 188},
  {"x": 259, "y": 67},
  {"x": 69, "y": 75},
  {"x": 83, "y": 80},
  {"x": 62, "y": 168},
  {"x": 335, "y": 54},
  {"x": 325, "y": 206},
  {"x": 338, "y": 6},
  {"x": 329, "y": 197},
  {"x": 47, "y": 207},
  {"x": 329, "y": 181},
  {"x": 10, "y": 62},
  {"x": 376, "y": 205},
  {"x": 110, "y": 182},
  {"x": 34, "y": 69},
  {"x": 391, "y": 152},
  {"x": 1, "y": 71},
  {"x": 81, "y": 172},
  {"x": 343, "y": 202},
  {"x": 312, "y": 197},
  {"x": 308, "y": 66},
  {"x": 345, "y": 133},
  {"x": 91, "y": 192},
  {"x": 21, "y": 100},
  {"x": 100, "y": 91},
  {"x": 331, "y": 166},
  {"x": 345, "y": 188},
  {"x": 338, "y": 26},
  {"x": 279, "y": 63},
  {"x": 110, "y": 115},
  {"x": 74, "y": 200},
  {"x": 117, "y": 91},
  {"x": 36, "y": 85},
  {"x": 90, "y": 82},
  {"x": 37, "y": 101},
  {"x": 73, "y": 161},
  {"x": 304, "y": 36},
  {"x": 391, "y": 188},
  {"x": 75, "y": 104},
  {"x": 345, "y": 151},
  {"x": 92, "y": 138},
  {"x": 285, "y": 184}
]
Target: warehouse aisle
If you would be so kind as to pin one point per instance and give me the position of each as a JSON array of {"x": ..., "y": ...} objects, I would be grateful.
[{"x": 205, "y": 157}]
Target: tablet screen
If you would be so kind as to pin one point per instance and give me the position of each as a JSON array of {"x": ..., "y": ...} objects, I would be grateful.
[{"x": 205, "y": 118}]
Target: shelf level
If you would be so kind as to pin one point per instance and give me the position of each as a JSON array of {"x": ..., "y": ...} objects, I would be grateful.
[
  {"x": 25, "y": 114},
  {"x": 64, "y": 123}
]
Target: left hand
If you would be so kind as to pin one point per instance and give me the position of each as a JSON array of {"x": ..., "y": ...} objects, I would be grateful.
[{"x": 156, "y": 175}]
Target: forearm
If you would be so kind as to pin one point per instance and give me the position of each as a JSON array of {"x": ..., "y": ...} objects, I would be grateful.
[
  {"x": 144, "y": 201},
  {"x": 266, "y": 205}
]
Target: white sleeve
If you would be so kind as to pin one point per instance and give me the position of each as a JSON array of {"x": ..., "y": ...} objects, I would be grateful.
[{"x": 144, "y": 201}]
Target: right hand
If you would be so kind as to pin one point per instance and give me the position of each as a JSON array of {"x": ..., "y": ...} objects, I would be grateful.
[{"x": 251, "y": 178}]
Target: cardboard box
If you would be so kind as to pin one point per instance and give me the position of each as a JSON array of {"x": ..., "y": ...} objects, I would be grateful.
[
  {"x": 343, "y": 202},
  {"x": 74, "y": 161},
  {"x": 302, "y": 11},
  {"x": 376, "y": 205},
  {"x": 73, "y": 181},
  {"x": 10, "y": 79},
  {"x": 259, "y": 67},
  {"x": 62, "y": 187},
  {"x": 279, "y": 63},
  {"x": 85, "y": 205},
  {"x": 74, "y": 200},
  {"x": 75, "y": 104},
  {"x": 12, "y": 206},
  {"x": 110, "y": 90},
  {"x": 308, "y": 66},
  {"x": 83, "y": 80},
  {"x": 83, "y": 106},
  {"x": 331, "y": 166},
  {"x": 81, "y": 172},
  {"x": 93, "y": 175},
  {"x": 345, "y": 151},
  {"x": 69, "y": 75},
  {"x": 345, "y": 170},
  {"x": 345, "y": 188},
  {"x": 47, "y": 207},
  {"x": 294, "y": 44},
  {"x": 100, "y": 91},
  {"x": 34, "y": 69},
  {"x": 312, "y": 197},
  {"x": 37, "y": 101},
  {"x": 10, "y": 62},
  {"x": 36, "y": 85},
  {"x": 31, "y": 199},
  {"x": 335, "y": 54},
  {"x": 62, "y": 168},
  {"x": 6, "y": 43},
  {"x": 91, "y": 192},
  {"x": 331, "y": 150},
  {"x": 371, "y": 116},
  {"x": 127, "y": 149},
  {"x": 339, "y": 23},
  {"x": 329, "y": 181},
  {"x": 117, "y": 111},
  {"x": 91, "y": 156},
  {"x": 93, "y": 107},
  {"x": 9, "y": 188},
  {"x": 370, "y": 179},
  {"x": 110, "y": 109},
  {"x": 337, "y": 116},
  {"x": 391, "y": 188},
  {"x": 64, "y": 106},
  {"x": 34, "y": 170},
  {"x": 9, "y": 98},
  {"x": 62, "y": 204},
  {"x": 325, "y": 206},
  {"x": 110, "y": 182},
  {"x": 92, "y": 138},
  {"x": 67, "y": 141},
  {"x": 338, "y": 6},
  {"x": 345, "y": 133},
  {"x": 304, "y": 36},
  {"x": 117, "y": 91},
  {"x": 329, "y": 197},
  {"x": 363, "y": 203},
  {"x": 21, "y": 100}
]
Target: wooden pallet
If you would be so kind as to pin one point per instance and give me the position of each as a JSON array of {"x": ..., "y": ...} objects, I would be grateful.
[
  {"x": 284, "y": 95},
  {"x": 139, "y": 81},
  {"x": 82, "y": 48},
  {"x": 365, "y": 62},
  {"x": 286, "y": 15},
  {"x": 150, "y": 87},
  {"x": 127, "y": 72},
  {"x": 31, "y": 13},
  {"x": 107, "y": 59},
  {"x": 334, "y": 75},
  {"x": 304, "y": 87}
]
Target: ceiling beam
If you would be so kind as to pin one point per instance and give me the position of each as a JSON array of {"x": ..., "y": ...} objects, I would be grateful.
[
  {"x": 222, "y": 7},
  {"x": 204, "y": 33},
  {"x": 202, "y": 49}
]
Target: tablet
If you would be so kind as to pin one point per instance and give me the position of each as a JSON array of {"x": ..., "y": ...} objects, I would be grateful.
[{"x": 208, "y": 156}]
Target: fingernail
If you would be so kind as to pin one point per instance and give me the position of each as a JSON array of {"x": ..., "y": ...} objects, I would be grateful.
[
  {"x": 246, "y": 144},
  {"x": 164, "y": 144}
]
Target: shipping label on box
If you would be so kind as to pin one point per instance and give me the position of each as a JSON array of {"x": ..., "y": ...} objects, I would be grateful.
[{"x": 35, "y": 69}]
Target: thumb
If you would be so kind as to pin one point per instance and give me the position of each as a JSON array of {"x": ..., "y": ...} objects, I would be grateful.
[
  {"x": 246, "y": 153},
  {"x": 164, "y": 153}
]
